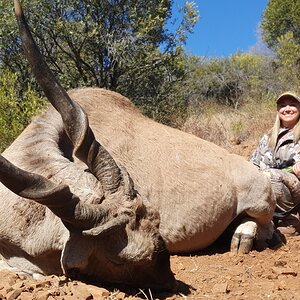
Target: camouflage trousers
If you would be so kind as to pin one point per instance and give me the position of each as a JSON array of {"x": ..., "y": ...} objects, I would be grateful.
[{"x": 286, "y": 187}]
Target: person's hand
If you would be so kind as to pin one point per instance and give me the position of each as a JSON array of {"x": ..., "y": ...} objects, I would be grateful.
[{"x": 296, "y": 169}]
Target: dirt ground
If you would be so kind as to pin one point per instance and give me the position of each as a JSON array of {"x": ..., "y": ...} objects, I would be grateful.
[{"x": 213, "y": 274}]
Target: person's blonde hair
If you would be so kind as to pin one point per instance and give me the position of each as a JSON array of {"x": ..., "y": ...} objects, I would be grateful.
[
  {"x": 275, "y": 131},
  {"x": 273, "y": 134}
]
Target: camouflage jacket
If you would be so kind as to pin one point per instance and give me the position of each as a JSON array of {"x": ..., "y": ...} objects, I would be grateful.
[{"x": 286, "y": 152}]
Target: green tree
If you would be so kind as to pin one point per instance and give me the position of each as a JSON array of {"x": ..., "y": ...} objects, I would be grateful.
[
  {"x": 287, "y": 61},
  {"x": 230, "y": 81},
  {"x": 279, "y": 18},
  {"x": 16, "y": 109},
  {"x": 122, "y": 45}
]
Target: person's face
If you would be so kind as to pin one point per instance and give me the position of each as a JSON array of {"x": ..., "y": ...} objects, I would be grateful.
[{"x": 288, "y": 110}]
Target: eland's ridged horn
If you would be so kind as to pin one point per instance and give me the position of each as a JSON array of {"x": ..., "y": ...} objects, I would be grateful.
[
  {"x": 58, "y": 198},
  {"x": 76, "y": 125}
]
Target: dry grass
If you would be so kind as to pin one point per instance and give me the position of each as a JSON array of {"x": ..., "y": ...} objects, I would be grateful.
[{"x": 239, "y": 131}]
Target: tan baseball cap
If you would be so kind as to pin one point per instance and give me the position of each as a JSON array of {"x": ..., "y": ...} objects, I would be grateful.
[{"x": 288, "y": 95}]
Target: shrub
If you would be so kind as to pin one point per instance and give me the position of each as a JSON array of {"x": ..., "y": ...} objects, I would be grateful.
[{"x": 17, "y": 106}]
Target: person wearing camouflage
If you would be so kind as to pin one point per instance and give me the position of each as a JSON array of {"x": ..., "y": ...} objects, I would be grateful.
[{"x": 278, "y": 154}]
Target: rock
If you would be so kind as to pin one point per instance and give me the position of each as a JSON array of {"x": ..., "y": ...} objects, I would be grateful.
[
  {"x": 52, "y": 298},
  {"x": 8, "y": 278},
  {"x": 18, "y": 285},
  {"x": 220, "y": 288},
  {"x": 42, "y": 295},
  {"x": 284, "y": 271},
  {"x": 120, "y": 295},
  {"x": 281, "y": 286},
  {"x": 280, "y": 263},
  {"x": 81, "y": 292},
  {"x": 70, "y": 297},
  {"x": 7, "y": 289},
  {"x": 98, "y": 293},
  {"x": 14, "y": 294},
  {"x": 26, "y": 296},
  {"x": 43, "y": 284}
]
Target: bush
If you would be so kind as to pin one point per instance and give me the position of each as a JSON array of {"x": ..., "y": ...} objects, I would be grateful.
[
  {"x": 228, "y": 80},
  {"x": 287, "y": 61},
  {"x": 17, "y": 106}
]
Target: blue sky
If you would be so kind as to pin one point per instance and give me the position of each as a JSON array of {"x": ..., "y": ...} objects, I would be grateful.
[{"x": 225, "y": 26}]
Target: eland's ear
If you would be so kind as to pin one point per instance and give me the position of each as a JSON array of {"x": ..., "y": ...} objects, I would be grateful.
[
  {"x": 108, "y": 227},
  {"x": 75, "y": 254}
]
